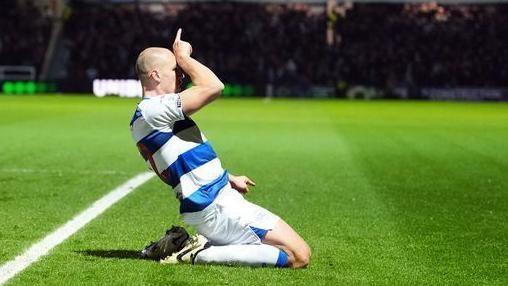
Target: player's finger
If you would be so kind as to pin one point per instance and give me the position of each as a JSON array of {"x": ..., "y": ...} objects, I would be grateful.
[
  {"x": 250, "y": 182},
  {"x": 178, "y": 34}
]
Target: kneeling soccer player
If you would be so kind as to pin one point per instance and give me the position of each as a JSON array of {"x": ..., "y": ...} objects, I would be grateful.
[{"x": 232, "y": 230}]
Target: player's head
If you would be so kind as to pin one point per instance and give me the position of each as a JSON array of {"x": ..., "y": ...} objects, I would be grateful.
[{"x": 157, "y": 70}]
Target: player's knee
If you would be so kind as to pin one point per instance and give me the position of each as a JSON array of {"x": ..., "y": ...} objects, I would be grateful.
[{"x": 302, "y": 257}]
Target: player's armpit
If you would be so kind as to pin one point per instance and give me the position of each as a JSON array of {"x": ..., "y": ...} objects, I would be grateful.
[{"x": 194, "y": 98}]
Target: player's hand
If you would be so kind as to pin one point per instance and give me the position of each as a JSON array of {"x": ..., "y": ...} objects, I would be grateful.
[
  {"x": 181, "y": 49},
  {"x": 241, "y": 183}
]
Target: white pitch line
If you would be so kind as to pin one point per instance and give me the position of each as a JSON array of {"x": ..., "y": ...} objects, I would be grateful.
[{"x": 41, "y": 248}]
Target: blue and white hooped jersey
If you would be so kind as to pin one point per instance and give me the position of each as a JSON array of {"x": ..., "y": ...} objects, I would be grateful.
[{"x": 174, "y": 147}]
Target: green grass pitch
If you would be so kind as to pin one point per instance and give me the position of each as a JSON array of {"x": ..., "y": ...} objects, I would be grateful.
[{"x": 384, "y": 192}]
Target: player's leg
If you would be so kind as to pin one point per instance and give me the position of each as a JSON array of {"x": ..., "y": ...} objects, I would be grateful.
[
  {"x": 243, "y": 254},
  {"x": 228, "y": 242},
  {"x": 228, "y": 227},
  {"x": 284, "y": 237},
  {"x": 281, "y": 246},
  {"x": 199, "y": 251},
  {"x": 273, "y": 230}
]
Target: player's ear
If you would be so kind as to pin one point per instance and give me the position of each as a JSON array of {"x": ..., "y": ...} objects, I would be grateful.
[{"x": 154, "y": 75}]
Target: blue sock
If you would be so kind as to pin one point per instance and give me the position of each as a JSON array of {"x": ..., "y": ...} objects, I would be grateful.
[{"x": 282, "y": 261}]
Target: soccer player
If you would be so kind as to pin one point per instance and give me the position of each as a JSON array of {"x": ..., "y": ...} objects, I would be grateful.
[{"x": 232, "y": 230}]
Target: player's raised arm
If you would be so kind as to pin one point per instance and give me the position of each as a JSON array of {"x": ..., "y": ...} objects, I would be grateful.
[{"x": 206, "y": 85}]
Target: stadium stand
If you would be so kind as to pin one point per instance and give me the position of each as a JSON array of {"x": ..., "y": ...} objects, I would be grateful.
[
  {"x": 23, "y": 18},
  {"x": 377, "y": 45},
  {"x": 381, "y": 44}
]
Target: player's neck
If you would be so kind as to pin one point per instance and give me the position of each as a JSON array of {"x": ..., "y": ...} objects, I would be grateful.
[{"x": 154, "y": 92}]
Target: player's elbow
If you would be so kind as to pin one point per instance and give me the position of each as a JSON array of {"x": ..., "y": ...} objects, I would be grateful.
[
  {"x": 219, "y": 87},
  {"x": 216, "y": 90}
]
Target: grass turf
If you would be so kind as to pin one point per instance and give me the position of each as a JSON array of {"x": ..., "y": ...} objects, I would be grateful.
[{"x": 384, "y": 192}]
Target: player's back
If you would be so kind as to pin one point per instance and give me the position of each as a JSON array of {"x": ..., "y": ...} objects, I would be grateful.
[{"x": 174, "y": 147}]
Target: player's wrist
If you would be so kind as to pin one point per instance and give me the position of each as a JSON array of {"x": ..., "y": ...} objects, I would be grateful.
[
  {"x": 231, "y": 178},
  {"x": 182, "y": 59}
]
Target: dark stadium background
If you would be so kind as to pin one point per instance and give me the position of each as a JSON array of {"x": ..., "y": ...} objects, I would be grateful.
[{"x": 388, "y": 49}]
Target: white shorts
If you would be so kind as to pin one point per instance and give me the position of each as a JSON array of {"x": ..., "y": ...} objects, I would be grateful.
[{"x": 231, "y": 219}]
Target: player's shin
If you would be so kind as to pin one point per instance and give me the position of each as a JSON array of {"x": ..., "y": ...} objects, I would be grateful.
[{"x": 243, "y": 254}]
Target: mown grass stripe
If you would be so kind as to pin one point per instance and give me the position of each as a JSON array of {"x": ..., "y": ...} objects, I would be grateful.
[{"x": 41, "y": 248}]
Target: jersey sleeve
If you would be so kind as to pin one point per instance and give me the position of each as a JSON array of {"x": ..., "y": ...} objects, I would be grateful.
[{"x": 165, "y": 110}]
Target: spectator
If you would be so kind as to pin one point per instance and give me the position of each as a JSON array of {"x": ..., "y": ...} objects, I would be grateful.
[
  {"x": 380, "y": 44},
  {"x": 24, "y": 34}
]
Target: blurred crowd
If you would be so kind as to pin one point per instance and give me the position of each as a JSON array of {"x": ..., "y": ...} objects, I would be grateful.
[
  {"x": 384, "y": 45},
  {"x": 423, "y": 45},
  {"x": 243, "y": 43},
  {"x": 24, "y": 33}
]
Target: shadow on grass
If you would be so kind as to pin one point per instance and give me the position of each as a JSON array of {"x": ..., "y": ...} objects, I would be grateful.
[{"x": 112, "y": 253}]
